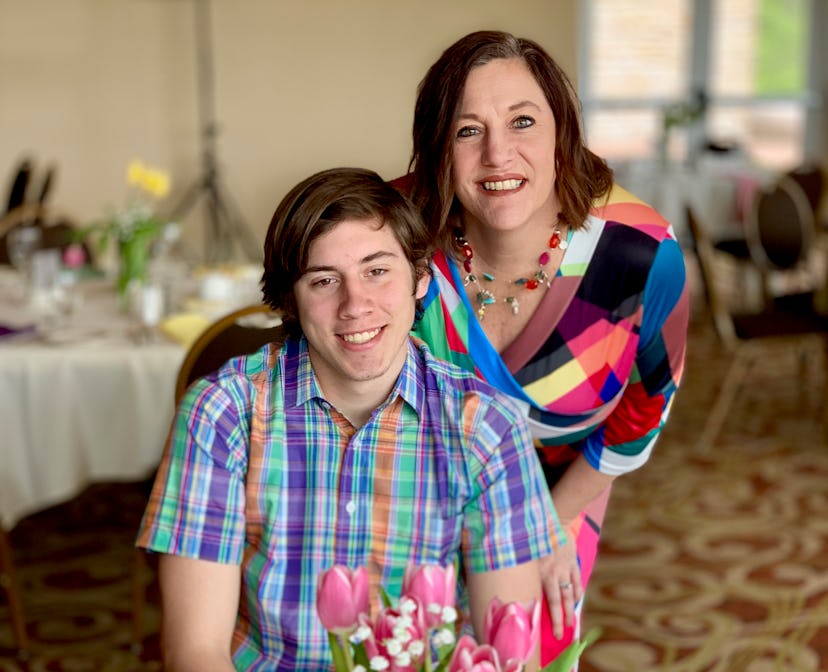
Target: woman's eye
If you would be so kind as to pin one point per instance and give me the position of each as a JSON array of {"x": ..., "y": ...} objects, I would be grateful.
[
  {"x": 467, "y": 132},
  {"x": 524, "y": 122}
]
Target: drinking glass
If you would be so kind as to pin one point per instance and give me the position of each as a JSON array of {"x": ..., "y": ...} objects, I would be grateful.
[{"x": 21, "y": 244}]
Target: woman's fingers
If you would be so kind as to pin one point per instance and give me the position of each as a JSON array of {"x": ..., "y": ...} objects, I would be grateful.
[{"x": 562, "y": 586}]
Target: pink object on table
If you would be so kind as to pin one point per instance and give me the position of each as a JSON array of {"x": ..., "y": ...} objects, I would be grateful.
[{"x": 74, "y": 256}]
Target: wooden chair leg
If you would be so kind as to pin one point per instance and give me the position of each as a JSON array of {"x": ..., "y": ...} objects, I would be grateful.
[
  {"x": 724, "y": 400},
  {"x": 8, "y": 580},
  {"x": 139, "y": 599}
]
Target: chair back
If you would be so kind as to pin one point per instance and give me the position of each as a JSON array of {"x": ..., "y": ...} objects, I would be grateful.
[
  {"x": 57, "y": 227},
  {"x": 239, "y": 333},
  {"x": 811, "y": 179},
  {"x": 705, "y": 256},
  {"x": 780, "y": 227}
]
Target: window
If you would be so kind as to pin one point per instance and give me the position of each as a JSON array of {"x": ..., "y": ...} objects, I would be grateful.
[{"x": 672, "y": 76}]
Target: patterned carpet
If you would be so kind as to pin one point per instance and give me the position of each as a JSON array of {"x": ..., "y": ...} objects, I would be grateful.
[
  {"x": 717, "y": 559},
  {"x": 713, "y": 559}
]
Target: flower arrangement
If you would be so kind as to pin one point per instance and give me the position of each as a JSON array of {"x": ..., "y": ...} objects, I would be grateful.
[
  {"x": 135, "y": 227},
  {"x": 419, "y": 634}
]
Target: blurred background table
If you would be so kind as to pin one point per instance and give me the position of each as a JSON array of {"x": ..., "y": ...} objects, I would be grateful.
[{"x": 84, "y": 397}]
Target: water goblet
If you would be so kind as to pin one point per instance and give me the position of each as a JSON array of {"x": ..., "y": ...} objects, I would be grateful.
[{"x": 21, "y": 243}]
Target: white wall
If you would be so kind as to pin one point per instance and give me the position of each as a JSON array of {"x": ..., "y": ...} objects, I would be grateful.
[{"x": 300, "y": 86}]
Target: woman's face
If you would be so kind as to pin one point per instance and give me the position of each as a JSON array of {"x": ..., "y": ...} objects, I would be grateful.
[{"x": 503, "y": 148}]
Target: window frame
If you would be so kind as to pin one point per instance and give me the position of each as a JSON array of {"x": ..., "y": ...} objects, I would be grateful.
[{"x": 699, "y": 63}]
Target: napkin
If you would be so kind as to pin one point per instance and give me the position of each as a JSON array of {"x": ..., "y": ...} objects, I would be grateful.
[
  {"x": 184, "y": 328},
  {"x": 7, "y": 331}
]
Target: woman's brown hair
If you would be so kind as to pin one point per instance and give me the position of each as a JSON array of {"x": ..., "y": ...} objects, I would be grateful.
[{"x": 582, "y": 176}]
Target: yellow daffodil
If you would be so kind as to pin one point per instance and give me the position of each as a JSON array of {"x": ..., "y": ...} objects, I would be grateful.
[
  {"x": 135, "y": 173},
  {"x": 156, "y": 182}
]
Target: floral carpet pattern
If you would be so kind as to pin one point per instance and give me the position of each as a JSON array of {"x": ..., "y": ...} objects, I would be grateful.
[
  {"x": 716, "y": 558},
  {"x": 713, "y": 558}
]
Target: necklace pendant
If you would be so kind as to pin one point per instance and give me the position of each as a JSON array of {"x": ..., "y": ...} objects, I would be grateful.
[
  {"x": 485, "y": 297},
  {"x": 564, "y": 245},
  {"x": 555, "y": 240},
  {"x": 513, "y": 302}
]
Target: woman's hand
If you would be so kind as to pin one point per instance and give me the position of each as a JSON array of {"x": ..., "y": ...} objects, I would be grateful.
[{"x": 561, "y": 579}]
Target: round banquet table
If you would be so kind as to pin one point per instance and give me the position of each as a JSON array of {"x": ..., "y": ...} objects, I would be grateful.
[{"x": 83, "y": 397}]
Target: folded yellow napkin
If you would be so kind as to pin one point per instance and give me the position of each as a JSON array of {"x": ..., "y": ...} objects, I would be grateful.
[{"x": 184, "y": 328}]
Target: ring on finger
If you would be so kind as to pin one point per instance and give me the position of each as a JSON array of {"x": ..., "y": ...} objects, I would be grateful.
[{"x": 565, "y": 585}]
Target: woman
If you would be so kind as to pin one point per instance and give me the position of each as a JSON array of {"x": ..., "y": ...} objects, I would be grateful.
[{"x": 552, "y": 282}]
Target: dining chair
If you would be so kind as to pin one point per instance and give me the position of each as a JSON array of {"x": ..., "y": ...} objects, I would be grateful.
[
  {"x": 241, "y": 332},
  {"x": 9, "y": 583},
  {"x": 811, "y": 178},
  {"x": 780, "y": 236},
  {"x": 58, "y": 227},
  {"x": 19, "y": 185},
  {"x": 787, "y": 323}
]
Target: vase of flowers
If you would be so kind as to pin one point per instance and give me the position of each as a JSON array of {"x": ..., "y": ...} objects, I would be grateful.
[
  {"x": 135, "y": 228},
  {"x": 420, "y": 633}
]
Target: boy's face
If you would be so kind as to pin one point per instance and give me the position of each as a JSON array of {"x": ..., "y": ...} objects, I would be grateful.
[{"x": 356, "y": 306}]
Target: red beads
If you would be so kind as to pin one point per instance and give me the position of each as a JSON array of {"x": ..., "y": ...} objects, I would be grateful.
[
  {"x": 543, "y": 259},
  {"x": 532, "y": 283},
  {"x": 555, "y": 240}
]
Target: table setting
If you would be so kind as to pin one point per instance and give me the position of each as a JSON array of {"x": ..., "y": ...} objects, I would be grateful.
[{"x": 89, "y": 360}]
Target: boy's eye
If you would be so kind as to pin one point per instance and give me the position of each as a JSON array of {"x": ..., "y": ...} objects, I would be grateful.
[
  {"x": 322, "y": 282},
  {"x": 376, "y": 272},
  {"x": 524, "y": 122}
]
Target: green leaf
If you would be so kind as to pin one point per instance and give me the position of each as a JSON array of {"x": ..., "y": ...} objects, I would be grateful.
[
  {"x": 568, "y": 657},
  {"x": 361, "y": 655},
  {"x": 386, "y": 599}
]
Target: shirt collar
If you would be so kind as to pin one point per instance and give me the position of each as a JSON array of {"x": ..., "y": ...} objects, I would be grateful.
[{"x": 409, "y": 385}]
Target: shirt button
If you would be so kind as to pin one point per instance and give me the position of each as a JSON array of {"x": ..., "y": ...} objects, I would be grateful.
[{"x": 350, "y": 507}]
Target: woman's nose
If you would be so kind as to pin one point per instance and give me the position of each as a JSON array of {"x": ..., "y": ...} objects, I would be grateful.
[{"x": 496, "y": 148}]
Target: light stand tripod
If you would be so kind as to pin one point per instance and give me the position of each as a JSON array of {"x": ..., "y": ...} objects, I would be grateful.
[{"x": 226, "y": 225}]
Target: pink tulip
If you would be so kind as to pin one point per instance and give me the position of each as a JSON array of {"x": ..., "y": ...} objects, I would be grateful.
[
  {"x": 468, "y": 656},
  {"x": 512, "y": 629},
  {"x": 341, "y": 596},
  {"x": 433, "y": 586}
]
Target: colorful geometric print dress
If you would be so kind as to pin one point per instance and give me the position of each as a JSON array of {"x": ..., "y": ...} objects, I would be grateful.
[{"x": 596, "y": 368}]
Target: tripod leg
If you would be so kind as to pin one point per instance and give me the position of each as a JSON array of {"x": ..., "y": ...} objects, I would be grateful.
[
  {"x": 249, "y": 244},
  {"x": 187, "y": 201}
]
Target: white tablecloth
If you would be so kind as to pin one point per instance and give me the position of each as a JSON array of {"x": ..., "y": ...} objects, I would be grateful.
[{"x": 79, "y": 403}]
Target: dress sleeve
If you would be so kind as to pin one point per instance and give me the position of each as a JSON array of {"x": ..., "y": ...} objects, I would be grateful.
[
  {"x": 510, "y": 519},
  {"x": 196, "y": 508},
  {"x": 624, "y": 442}
]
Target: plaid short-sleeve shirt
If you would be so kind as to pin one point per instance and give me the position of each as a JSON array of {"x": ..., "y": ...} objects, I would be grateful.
[{"x": 260, "y": 470}]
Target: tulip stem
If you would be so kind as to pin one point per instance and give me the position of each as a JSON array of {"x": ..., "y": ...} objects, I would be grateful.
[
  {"x": 427, "y": 661},
  {"x": 349, "y": 657}
]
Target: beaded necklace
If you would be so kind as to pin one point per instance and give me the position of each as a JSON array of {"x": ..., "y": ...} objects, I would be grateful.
[{"x": 485, "y": 297}]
